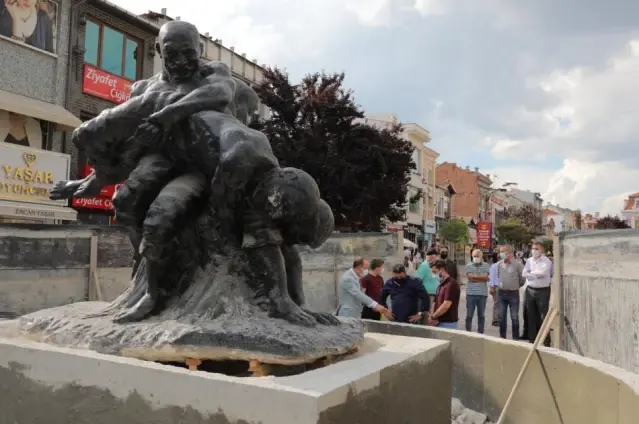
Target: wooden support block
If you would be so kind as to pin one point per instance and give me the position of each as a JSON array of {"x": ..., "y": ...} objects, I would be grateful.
[
  {"x": 259, "y": 369},
  {"x": 193, "y": 364}
]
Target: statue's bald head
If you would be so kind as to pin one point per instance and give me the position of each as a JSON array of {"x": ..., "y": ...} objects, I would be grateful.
[
  {"x": 178, "y": 30},
  {"x": 179, "y": 46}
]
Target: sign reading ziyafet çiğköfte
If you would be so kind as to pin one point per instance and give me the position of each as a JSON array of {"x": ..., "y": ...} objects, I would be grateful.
[{"x": 27, "y": 175}]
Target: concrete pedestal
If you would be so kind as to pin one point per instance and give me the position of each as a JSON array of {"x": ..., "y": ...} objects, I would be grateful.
[{"x": 392, "y": 379}]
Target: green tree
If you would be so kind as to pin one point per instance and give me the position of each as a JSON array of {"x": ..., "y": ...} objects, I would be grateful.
[
  {"x": 610, "y": 223},
  {"x": 455, "y": 230},
  {"x": 362, "y": 172},
  {"x": 513, "y": 231},
  {"x": 548, "y": 245},
  {"x": 528, "y": 216}
]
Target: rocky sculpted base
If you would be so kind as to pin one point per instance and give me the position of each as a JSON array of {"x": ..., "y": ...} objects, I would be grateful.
[{"x": 212, "y": 319}]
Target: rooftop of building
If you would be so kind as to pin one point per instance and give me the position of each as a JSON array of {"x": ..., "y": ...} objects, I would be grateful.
[
  {"x": 124, "y": 14},
  {"x": 158, "y": 18}
]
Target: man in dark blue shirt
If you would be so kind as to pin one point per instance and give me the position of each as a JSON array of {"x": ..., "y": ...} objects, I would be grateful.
[{"x": 405, "y": 293}]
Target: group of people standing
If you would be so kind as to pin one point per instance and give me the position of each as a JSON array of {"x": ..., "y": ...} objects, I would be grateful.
[
  {"x": 425, "y": 290},
  {"x": 431, "y": 296},
  {"x": 503, "y": 280}
]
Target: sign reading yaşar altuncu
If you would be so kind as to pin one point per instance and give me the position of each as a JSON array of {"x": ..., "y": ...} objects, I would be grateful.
[{"x": 27, "y": 175}]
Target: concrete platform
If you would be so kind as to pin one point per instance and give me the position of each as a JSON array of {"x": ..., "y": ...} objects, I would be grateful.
[{"x": 393, "y": 379}]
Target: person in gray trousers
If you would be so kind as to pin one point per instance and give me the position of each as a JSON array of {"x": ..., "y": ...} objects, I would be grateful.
[{"x": 350, "y": 295}]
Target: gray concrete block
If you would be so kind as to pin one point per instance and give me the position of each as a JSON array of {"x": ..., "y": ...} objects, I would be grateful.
[{"x": 391, "y": 379}]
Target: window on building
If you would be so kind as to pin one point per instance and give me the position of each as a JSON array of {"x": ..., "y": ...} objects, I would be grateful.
[
  {"x": 417, "y": 159},
  {"x": 636, "y": 203},
  {"x": 414, "y": 206},
  {"x": 111, "y": 50}
]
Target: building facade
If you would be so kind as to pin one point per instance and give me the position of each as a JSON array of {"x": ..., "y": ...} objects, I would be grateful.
[
  {"x": 419, "y": 227},
  {"x": 34, "y": 52},
  {"x": 563, "y": 219},
  {"x": 429, "y": 169},
  {"x": 111, "y": 49},
  {"x": 589, "y": 221},
  {"x": 497, "y": 207},
  {"x": 473, "y": 191},
  {"x": 444, "y": 194},
  {"x": 630, "y": 212}
]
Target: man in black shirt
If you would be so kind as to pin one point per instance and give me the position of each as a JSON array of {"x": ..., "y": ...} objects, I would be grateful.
[
  {"x": 405, "y": 293},
  {"x": 451, "y": 267}
]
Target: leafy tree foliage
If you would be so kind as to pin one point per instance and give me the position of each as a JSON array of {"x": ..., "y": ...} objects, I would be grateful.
[
  {"x": 362, "y": 171},
  {"x": 610, "y": 222},
  {"x": 528, "y": 216},
  {"x": 455, "y": 230},
  {"x": 513, "y": 231},
  {"x": 548, "y": 245}
]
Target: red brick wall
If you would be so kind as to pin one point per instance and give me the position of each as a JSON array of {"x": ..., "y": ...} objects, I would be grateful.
[
  {"x": 465, "y": 203},
  {"x": 80, "y": 103}
]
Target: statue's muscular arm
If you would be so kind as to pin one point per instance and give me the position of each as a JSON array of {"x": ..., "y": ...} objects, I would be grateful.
[
  {"x": 214, "y": 92},
  {"x": 93, "y": 131}
]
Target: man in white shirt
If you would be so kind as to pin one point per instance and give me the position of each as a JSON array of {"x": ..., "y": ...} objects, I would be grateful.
[{"x": 537, "y": 272}]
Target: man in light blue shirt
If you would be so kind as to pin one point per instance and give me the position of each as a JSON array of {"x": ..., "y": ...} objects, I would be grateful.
[{"x": 478, "y": 273}]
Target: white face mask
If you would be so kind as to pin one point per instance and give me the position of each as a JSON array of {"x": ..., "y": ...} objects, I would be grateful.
[
  {"x": 536, "y": 253},
  {"x": 476, "y": 260},
  {"x": 364, "y": 273}
]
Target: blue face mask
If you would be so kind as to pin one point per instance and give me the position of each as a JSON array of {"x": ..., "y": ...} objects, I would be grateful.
[
  {"x": 437, "y": 276},
  {"x": 502, "y": 255}
]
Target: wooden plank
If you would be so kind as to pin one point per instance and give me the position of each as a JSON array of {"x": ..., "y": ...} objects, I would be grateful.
[{"x": 93, "y": 267}]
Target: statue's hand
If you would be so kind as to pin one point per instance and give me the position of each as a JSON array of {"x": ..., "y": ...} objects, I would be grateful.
[
  {"x": 149, "y": 133},
  {"x": 88, "y": 188},
  {"x": 63, "y": 190}
]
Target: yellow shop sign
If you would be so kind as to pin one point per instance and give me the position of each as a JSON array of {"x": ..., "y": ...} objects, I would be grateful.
[{"x": 27, "y": 175}]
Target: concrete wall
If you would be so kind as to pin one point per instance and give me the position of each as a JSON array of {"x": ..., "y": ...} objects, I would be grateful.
[
  {"x": 599, "y": 296},
  {"x": 43, "y": 266},
  {"x": 324, "y": 267},
  {"x": 558, "y": 388},
  {"x": 387, "y": 384}
]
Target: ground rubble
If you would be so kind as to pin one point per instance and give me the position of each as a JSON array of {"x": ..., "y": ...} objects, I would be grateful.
[{"x": 462, "y": 415}]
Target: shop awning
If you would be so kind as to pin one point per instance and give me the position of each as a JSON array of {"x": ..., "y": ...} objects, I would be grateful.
[
  {"x": 38, "y": 109},
  {"x": 23, "y": 210}
]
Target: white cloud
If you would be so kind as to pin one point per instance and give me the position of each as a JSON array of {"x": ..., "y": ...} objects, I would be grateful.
[
  {"x": 433, "y": 7},
  {"x": 495, "y": 81}
]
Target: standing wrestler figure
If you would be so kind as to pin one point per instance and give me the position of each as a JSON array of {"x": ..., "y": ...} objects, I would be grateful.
[{"x": 165, "y": 170}]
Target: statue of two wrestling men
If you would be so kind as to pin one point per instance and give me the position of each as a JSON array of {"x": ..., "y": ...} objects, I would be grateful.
[{"x": 181, "y": 145}]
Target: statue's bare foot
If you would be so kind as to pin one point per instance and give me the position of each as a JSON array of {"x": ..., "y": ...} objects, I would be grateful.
[
  {"x": 138, "y": 312},
  {"x": 323, "y": 318},
  {"x": 64, "y": 189},
  {"x": 263, "y": 303},
  {"x": 286, "y": 309}
]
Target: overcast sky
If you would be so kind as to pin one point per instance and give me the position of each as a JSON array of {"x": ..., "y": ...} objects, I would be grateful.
[{"x": 544, "y": 93}]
